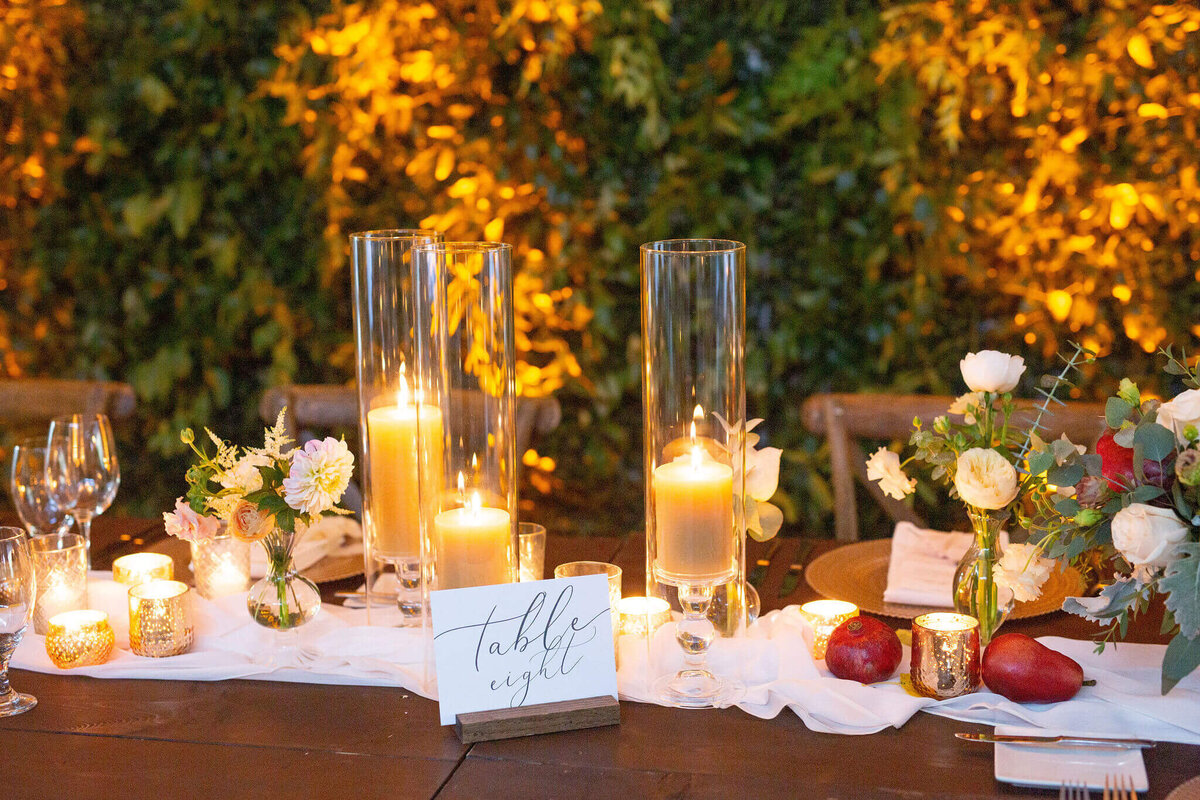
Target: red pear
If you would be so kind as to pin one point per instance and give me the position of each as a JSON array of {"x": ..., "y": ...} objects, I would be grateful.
[{"x": 1026, "y": 671}]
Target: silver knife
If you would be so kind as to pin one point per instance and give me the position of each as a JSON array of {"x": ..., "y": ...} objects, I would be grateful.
[{"x": 1075, "y": 741}]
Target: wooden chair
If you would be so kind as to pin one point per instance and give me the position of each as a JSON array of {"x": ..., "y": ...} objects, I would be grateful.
[
  {"x": 27, "y": 403},
  {"x": 324, "y": 406},
  {"x": 843, "y": 419}
]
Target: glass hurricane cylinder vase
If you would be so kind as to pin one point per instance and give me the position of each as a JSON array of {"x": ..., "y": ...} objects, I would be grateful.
[
  {"x": 694, "y": 404},
  {"x": 976, "y": 592},
  {"x": 400, "y": 432},
  {"x": 283, "y": 599},
  {"x": 467, "y": 371}
]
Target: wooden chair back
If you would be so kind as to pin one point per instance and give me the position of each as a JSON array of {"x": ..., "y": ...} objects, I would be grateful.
[
  {"x": 844, "y": 419},
  {"x": 325, "y": 406},
  {"x": 28, "y": 403}
]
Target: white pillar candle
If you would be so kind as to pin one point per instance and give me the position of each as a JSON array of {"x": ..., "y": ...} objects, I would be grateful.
[
  {"x": 474, "y": 546},
  {"x": 398, "y": 469},
  {"x": 693, "y": 509}
]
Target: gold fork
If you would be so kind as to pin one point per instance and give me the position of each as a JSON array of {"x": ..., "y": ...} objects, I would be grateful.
[{"x": 1120, "y": 789}]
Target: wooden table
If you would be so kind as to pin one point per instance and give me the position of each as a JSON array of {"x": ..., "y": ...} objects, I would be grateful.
[{"x": 261, "y": 739}]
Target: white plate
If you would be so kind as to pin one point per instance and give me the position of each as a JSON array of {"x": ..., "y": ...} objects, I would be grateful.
[{"x": 1053, "y": 765}]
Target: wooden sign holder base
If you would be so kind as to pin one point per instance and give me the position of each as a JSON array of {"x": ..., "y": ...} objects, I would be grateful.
[{"x": 565, "y": 715}]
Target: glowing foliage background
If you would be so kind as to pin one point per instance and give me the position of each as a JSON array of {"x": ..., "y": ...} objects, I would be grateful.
[{"x": 913, "y": 180}]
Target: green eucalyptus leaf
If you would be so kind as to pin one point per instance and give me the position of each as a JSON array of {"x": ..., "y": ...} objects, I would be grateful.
[
  {"x": 1145, "y": 493},
  {"x": 1116, "y": 411},
  {"x": 1066, "y": 475},
  {"x": 1180, "y": 660},
  {"x": 1181, "y": 583},
  {"x": 1156, "y": 442}
]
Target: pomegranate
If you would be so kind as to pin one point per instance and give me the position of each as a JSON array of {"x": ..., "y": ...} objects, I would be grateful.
[
  {"x": 863, "y": 649},
  {"x": 1026, "y": 671},
  {"x": 1116, "y": 465}
]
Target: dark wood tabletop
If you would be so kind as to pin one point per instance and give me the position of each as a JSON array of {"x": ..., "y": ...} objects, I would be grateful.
[{"x": 260, "y": 739}]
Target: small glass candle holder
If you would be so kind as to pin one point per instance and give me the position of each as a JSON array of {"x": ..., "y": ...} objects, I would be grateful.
[
  {"x": 79, "y": 639},
  {"x": 60, "y": 562},
  {"x": 824, "y": 616},
  {"x": 573, "y": 569},
  {"x": 221, "y": 565},
  {"x": 141, "y": 567},
  {"x": 532, "y": 556},
  {"x": 945, "y": 655},
  {"x": 160, "y": 619},
  {"x": 642, "y": 616}
]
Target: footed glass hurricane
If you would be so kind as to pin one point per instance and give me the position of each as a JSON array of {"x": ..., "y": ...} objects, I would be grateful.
[
  {"x": 284, "y": 599},
  {"x": 976, "y": 593}
]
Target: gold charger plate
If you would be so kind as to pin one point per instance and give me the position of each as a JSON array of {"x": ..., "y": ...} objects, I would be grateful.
[
  {"x": 334, "y": 568},
  {"x": 857, "y": 573}
]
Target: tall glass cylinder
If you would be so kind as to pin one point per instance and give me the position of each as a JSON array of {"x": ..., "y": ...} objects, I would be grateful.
[
  {"x": 401, "y": 431},
  {"x": 467, "y": 365},
  {"x": 694, "y": 407}
]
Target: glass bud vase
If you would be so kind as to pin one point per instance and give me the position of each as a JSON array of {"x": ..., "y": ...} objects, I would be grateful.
[
  {"x": 284, "y": 599},
  {"x": 976, "y": 593}
]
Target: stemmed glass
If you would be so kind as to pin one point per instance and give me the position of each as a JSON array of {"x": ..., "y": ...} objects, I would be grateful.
[
  {"x": 30, "y": 490},
  {"x": 82, "y": 469},
  {"x": 17, "y": 592}
]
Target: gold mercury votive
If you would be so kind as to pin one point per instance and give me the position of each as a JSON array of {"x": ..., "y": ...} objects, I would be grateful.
[
  {"x": 141, "y": 567},
  {"x": 160, "y": 619},
  {"x": 642, "y": 616},
  {"x": 79, "y": 639},
  {"x": 945, "y": 655},
  {"x": 824, "y": 616}
]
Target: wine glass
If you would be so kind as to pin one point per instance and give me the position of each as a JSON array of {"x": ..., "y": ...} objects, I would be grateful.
[
  {"x": 82, "y": 468},
  {"x": 17, "y": 591},
  {"x": 30, "y": 490}
]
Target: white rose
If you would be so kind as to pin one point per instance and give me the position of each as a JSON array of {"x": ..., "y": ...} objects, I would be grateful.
[
  {"x": 991, "y": 371},
  {"x": 1146, "y": 535},
  {"x": 1177, "y": 414},
  {"x": 984, "y": 479},
  {"x": 884, "y": 466}
]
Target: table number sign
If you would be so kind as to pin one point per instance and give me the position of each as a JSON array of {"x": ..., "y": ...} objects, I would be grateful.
[{"x": 527, "y": 652}]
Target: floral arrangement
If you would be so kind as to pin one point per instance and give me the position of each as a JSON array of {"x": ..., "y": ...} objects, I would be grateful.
[
  {"x": 256, "y": 490},
  {"x": 763, "y": 519},
  {"x": 1141, "y": 515},
  {"x": 1000, "y": 470},
  {"x": 269, "y": 494}
]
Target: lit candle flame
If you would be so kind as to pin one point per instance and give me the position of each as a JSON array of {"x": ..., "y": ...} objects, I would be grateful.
[
  {"x": 475, "y": 504},
  {"x": 462, "y": 489},
  {"x": 696, "y": 458}
]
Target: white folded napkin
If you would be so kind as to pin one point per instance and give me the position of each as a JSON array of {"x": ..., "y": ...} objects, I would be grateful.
[
  {"x": 337, "y": 647},
  {"x": 328, "y": 536},
  {"x": 922, "y": 564}
]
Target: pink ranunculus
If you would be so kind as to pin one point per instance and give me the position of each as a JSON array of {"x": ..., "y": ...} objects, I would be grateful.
[{"x": 186, "y": 524}]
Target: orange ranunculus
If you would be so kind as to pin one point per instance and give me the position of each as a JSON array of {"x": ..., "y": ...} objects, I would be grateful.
[{"x": 249, "y": 523}]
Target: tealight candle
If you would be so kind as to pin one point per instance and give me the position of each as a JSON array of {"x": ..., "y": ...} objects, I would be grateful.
[
  {"x": 221, "y": 565},
  {"x": 945, "y": 655},
  {"x": 642, "y": 616},
  {"x": 824, "y": 616},
  {"x": 79, "y": 639},
  {"x": 141, "y": 567},
  {"x": 160, "y": 619}
]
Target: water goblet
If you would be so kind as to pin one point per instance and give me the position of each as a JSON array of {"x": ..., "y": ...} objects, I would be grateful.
[
  {"x": 30, "y": 490},
  {"x": 82, "y": 469},
  {"x": 17, "y": 591}
]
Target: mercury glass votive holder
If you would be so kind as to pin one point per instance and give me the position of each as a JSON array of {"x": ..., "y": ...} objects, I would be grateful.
[
  {"x": 824, "y": 616},
  {"x": 79, "y": 639},
  {"x": 138, "y": 568},
  {"x": 945, "y": 655},
  {"x": 60, "y": 563},
  {"x": 221, "y": 565},
  {"x": 160, "y": 619},
  {"x": 642, "y": 616}
]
